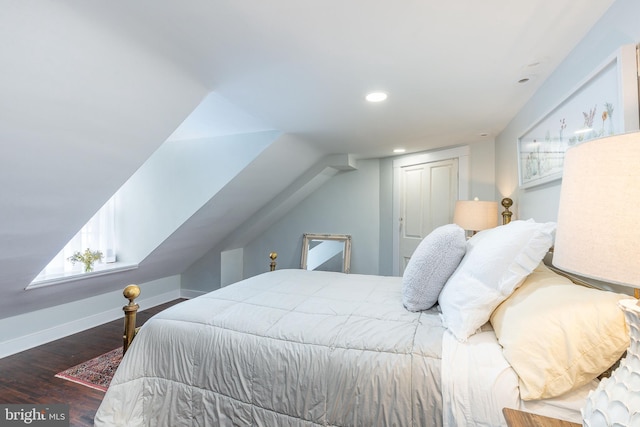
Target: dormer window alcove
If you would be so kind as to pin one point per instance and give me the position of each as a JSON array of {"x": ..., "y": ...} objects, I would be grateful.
[{"x": 97, "y": 235}]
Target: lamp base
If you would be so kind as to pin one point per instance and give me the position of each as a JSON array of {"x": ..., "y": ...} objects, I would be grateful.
[{"x": 616, "y": 401}]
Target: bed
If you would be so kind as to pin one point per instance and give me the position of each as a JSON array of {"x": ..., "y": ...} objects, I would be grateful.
[{"x": 309, "y": 348}]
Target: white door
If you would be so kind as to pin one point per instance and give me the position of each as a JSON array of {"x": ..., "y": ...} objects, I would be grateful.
[{"x": 428, "y": 193}]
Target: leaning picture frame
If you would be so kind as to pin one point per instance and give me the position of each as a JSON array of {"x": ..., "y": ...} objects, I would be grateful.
[
  {"x": 605, "y": 103},
  {"x": 326, "y": 252}
]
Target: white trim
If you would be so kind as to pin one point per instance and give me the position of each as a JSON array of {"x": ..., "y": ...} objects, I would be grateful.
[
  {"x": 72, "y": 277},
  {"x": 431, "y": 156},
  {"x": 191, "y": 293},
  {"x": 25, "y": 342},
  {"x": 464, "y": 175}
]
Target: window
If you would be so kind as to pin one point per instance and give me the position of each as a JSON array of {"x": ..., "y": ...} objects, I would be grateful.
[{"x": 97, "y": 234}]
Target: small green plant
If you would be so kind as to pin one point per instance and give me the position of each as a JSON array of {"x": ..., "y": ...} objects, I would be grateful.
[{"x": 87, "y": 257}]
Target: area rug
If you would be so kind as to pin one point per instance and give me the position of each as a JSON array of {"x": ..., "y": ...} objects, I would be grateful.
[{"x": 95, "y": 373}]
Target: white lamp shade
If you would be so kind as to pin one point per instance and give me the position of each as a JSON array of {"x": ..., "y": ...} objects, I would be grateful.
[
  {"x": 598, "y": 233},
  {"x": 476, "y": 215}
]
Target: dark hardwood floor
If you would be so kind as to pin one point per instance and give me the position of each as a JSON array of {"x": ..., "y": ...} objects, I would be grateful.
[{"x": 28, "y": 377}]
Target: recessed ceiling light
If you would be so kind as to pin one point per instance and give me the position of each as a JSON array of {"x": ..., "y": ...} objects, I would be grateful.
[
  {"x": 523, "y": 80},
  {"x": 484, "y": 134},
  {"x": 399, "y": 150},
  {"x": 376, "y": 97}
]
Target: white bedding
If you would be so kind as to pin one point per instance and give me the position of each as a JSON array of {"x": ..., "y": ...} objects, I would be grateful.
[
  {"x": 289, "y": 348},
  {"x": 286, "y": 348},
  {"x": 477, "y": 382}
]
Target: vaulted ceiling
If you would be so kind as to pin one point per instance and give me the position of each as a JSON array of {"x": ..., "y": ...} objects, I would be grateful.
[
  {"x": 91, "y": 89},
  {"x": 451, "y": 69}
]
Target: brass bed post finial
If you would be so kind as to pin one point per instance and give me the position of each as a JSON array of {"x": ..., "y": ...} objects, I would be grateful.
[
  {"x": 131, "y": 292},
  {"x": 506, "y": 214},
  {"x": 272, "y": 265}
]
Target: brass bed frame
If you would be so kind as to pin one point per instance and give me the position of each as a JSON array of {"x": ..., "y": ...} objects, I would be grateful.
[{"x": 132, "y": 292}]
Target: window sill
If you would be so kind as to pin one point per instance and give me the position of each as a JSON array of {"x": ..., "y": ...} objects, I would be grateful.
[{"x": 75, "y": 276}]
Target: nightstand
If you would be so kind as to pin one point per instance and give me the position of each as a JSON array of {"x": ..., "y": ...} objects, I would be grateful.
[{"x": 517, "y": 418}]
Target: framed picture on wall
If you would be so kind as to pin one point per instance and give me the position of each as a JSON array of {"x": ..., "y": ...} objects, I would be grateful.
[{"x": 605, "y": 103}]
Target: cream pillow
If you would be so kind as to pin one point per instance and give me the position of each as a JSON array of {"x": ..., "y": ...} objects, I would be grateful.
[
  {"x": 557, "y": 335},
  {"x": 496, "y": 262}
]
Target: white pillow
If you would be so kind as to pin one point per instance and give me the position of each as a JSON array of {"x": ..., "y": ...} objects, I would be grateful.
[
  {"x": 496, "y": 263},
  {"x": 431, "y": 264}
]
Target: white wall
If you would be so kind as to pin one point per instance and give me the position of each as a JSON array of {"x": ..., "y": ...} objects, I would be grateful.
[
  {"x": 176, "y": 181},
  {"x": 482, "y": 159},
  {"x": 346, "y": 204},
  {"x": 24, "y": 331},
  {"x": 83, "y": 107},
  {"x": 619, "y": 26},
  {"x": 357, "y": 202}
]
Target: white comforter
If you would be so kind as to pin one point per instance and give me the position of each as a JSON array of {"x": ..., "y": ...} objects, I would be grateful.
[
  {"x": 286, "y": 348},
  {"x": 300, "y": 348}
]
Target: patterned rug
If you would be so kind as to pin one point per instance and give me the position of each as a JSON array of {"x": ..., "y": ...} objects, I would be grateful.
[{"x": 95, "y": 373}]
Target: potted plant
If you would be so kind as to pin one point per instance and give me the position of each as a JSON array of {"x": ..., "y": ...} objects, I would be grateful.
[{"x": 87, "y": 257}]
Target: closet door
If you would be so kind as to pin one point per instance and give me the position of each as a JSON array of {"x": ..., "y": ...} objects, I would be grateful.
[{"x": 428, "y": 193}]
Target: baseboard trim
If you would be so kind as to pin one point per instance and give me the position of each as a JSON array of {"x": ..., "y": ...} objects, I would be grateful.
[
  {"x": 190, "y": 293},
  {"x": 16, "y": 345}
]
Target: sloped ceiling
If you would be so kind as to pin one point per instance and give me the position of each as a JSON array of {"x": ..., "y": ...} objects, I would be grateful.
[
  {"x": 91, "y": 89},
  {"x": 450, "y": 68},
  {"x": 81, "y": 109}
]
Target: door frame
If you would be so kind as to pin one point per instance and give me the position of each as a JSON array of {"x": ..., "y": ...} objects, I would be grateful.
[{"x": 461, "y": 153}]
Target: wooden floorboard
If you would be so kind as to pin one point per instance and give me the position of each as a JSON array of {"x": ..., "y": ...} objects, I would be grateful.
[{"x": 29, "y": 377}]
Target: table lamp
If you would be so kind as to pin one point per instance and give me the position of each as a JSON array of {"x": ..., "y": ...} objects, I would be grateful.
[
  {"x": 475, "y": 215},
  {"x": 598, "y": 236}
]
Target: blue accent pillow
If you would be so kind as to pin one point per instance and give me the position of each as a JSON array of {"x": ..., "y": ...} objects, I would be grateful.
[{"x": 433, "y": 262}]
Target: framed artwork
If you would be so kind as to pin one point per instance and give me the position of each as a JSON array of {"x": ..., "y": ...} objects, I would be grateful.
[{"x": 605, "y": 103}]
